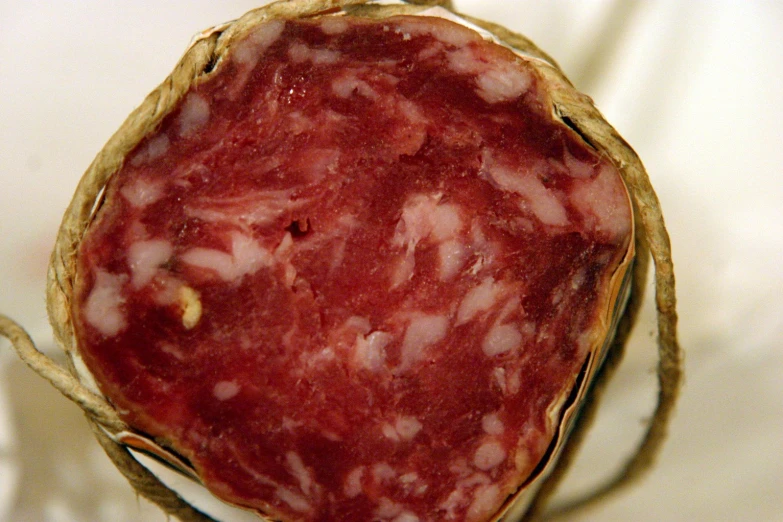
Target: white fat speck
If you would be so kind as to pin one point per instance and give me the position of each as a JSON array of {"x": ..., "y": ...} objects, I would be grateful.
[
  {"x": 387, "y": 508},
  {"x": 299, "y": 471},
  {"x": 521, "y": 458},
  {"x": 247, "y": 257},
  {"x": 549, "y": 210},
  {"x": 477, "y": 265},
  {"x": 359, "y": 324},
  {"x": 409, "y": 478},
  {"x": 290, "y": 424},
  {"x": 524, "y": 225},
  {"x": 578, "y": 279},
  {"x": 326, "y": 56},
  {"x": 423, "y": 331},
  {"x": 429, "y": 52},
  {"x": 502, "y": 84},
  {"x": 298, "y": 123},
  {"x": 508, "y": 382},
  {"x": 527, "y": 329},
  {"x": 403, "y": 271},
  {"x": 420, "y": 217},
  {"x": 252, "y": 208},
  {"x": 103, "y": 308},
  {"x": 154, "y": 149},
  {"x": 478, "y": 300},
  {"x": 585, "y": 341},
  {"x": 293, "y": 499},
  {"x": 513, "y": 381},
  {"x": 486, "y": 500},
  {"x": 189, "y": 173},
  {"x": 319, "y": 358},
  {"x": 142, "y": 192},
  {"x": 257, "y": 42},
  {"x": 499, "y": 375},
  {"x": 299, "y": 52},
  {"x": 576, "y": 168},
  {"x": 450, "y": 34},
  {"x": 542, "y": 202},
  {"x": 416, "y": 221},
  {"x": 604, "y": 203},
  {"x": 282, "y": 256},
  {"x": 157, "y": 147},
  {"x": 225, "y": 390},
  {"x": 370, "y": 351},
  {"x": 220, "y": 262},
  {"x": 465, "y": 61},
  {"x": 144, "y": 259},
  {"x": 492, "y": 424},
  {"x": 283, "y": 250},
  {"x": 320, "y": 162},
  {"x": 408, "y": 137},
  {"x": 352, "y": 485},
  {"x": 501, "y": 339},
  {"x": 454, "y": 34},
  {"x": 446, "y": 222},
  {"x": 455, "y": 499},
  {"x": 389, "y": 432},
  {"x": 489, "y": 455},
  {"x": 334, "y": 25},
  {"x": 382, "y": 472},
  {"x": 474, "y": 480},
  {"x": 194, "y": 114},
  {"x": 460, "y": 467},
  {"x": 290, "y": 275},
  {"x": 338, "y": 237},
  {"x": 412, "y": 484},
  {"x": 406, "y": 516},
  {"x": 487, "y": 251},
  {"x": 173, "y": 350},
  {"x": 267, "y": 33},
  {"x": 411, "y": 112},
  {"x": 330, "y": 435},
  {"x": 408, "y": 427},
  {"x": 137, "y": 231},
  {"x": 346, "y": 85},
  {"x": 512, "y": 305},
  {"x": 557, "y": 295},
  {"x": 452, "y": 255}
]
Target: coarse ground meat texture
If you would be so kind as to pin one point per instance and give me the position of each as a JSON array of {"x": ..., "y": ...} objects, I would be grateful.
[{"x": 355, "y": 273}]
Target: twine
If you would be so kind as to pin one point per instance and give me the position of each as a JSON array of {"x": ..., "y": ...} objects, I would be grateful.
[
  {"x": 655, "y": 240},
  {"x": 196, "y": 65}
]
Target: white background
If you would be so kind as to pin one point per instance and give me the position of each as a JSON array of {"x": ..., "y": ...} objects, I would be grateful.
[{"x": 695, "y": 87}]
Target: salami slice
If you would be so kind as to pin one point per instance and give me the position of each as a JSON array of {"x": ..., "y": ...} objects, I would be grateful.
[{"x": 356, "y": 273}]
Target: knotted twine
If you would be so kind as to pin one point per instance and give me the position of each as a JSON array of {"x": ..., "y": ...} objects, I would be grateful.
[{"x": 575, "y": 109}]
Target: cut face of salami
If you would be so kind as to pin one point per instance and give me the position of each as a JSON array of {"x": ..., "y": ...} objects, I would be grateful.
[{"x": 356, "y": 273}]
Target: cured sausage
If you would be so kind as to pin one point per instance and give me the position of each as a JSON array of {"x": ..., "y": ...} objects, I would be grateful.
[{"x": 356, "y": 273}]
